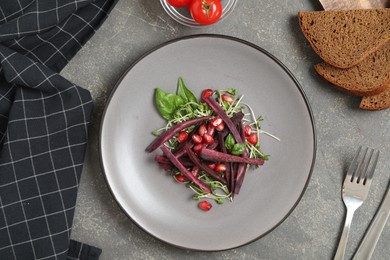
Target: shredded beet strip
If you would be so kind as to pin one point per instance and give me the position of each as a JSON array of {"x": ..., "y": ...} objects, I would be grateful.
[
  {"x": 214, "y": 145},
  {"x": 161, "y": 139},
  {"x": 180, "y": 152},
  {"x": 183, "y": 169},
  {"x": 236, "y": 120},
  {"x": 241, "y": 169},
  {"x": 232, "y": 181},
  {"x": 216, "y": 156},
  {"x": 240, "y": 174},
  {"x": 203, "y": 166},
  {"x": 239, "y": 179},
  {"x": 162, "y": 159},
  {"x": 221, "y": 113},
  {"x": 223, "y": 149},
  {"x": 180, "y": 149}
]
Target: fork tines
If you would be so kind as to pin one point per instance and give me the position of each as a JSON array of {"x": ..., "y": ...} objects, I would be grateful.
[{"x": 363, "y": 165}]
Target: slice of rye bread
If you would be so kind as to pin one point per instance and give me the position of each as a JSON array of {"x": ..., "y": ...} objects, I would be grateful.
[
  {"x": 343, "y": 38},
  {"x": 377, "y": 102},
  {"x": 370, "y": 77}
]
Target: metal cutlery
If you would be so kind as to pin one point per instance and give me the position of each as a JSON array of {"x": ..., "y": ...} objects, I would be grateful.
[
  {"x": 355, "y": 189},
  {"x": 373, "y": 233}
]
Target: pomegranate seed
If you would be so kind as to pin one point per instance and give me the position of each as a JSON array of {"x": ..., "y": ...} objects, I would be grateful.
[
  {"x": 247, "y": 130},
  {"x": 208, "y": 139},
  {"x": 182, "y": 137},
  {"x": 180, "y": 178},
  {"x": 202, "y": 129},
  {"x": 207, "y": 93},
  {"x": 165, "y": 166},
  {"x": 197, "y": 148},
  {"x": 216, "y": 121},
  {"x": 252, "y": 138},
  {"x": 195, "y": 171},
  {"x": 197, "y": 139},
  {"x": 227, "y": 98},
  {"x": 211, "y": 166},
  {"x": 220, "y": 127},
  {"x": 220, "y": 167},
  {"x": 205, "y": 205},
  {"x": 210, "y": 129}
]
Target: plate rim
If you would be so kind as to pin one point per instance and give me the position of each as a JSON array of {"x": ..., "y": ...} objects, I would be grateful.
[{"x": 217, "y": 36}]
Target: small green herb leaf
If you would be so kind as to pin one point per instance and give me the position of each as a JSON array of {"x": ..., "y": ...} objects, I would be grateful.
[
  {"x": 238, "y": 149},
  {"x": 218, "y": 200},
  {"x": 184, "y": 92},
  {"x": 229, "y": 142},
  {"x": 231, "y": 91},
  {"x": 167, "y": 103},
  {"x": 261, "y": 118}
]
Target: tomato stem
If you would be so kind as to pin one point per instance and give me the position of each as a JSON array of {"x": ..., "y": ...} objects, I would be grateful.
[{"x": 207, "y": 6}]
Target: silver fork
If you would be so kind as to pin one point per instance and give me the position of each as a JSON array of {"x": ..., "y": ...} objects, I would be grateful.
[{"x": 356, "y": 184}]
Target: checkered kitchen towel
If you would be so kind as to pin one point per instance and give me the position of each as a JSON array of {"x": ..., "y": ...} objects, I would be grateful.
[{"x": 43, "y": 125}]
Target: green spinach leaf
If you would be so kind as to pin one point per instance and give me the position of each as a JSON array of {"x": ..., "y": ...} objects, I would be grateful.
[
  {"x": 167, "y": 103},
  {"x": 184, "y": 92},
  {"x": 238, "y": 149},
  {"x": 229, "y": 142}
]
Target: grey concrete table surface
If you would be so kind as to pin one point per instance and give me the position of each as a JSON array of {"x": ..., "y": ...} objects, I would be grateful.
[{"x": 313, "y": 228}]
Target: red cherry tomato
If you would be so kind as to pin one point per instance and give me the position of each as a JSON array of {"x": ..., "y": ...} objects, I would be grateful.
[
  {"x": 179, "y": 3},
  {"x": 206, "y": 11}
]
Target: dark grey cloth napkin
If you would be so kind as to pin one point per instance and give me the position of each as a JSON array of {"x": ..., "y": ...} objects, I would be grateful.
[{"x": 43, "y": 125}]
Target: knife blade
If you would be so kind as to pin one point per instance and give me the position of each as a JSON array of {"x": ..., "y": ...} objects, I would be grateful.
[{"x": 367, "y": 246}]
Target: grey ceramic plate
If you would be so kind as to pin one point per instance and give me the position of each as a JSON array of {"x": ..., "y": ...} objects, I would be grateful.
[{"x": 164, "y": 208}]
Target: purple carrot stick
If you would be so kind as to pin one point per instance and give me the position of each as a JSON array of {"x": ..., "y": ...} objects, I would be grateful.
[
  {"x": 232, "y": 181},
  {"x": 223, "y": 149},
  {"x": 241, "y": 168},
  {"x": 221, "y": 113},
  {"x": 161, "y": 139},
  {"x": 186, "y": 172},
  {"x": 215, "y": 156},
  {"x": 203, "y": 166},
  {"x": 236, "y": 119},
  {"x": 240, "y": 177}
]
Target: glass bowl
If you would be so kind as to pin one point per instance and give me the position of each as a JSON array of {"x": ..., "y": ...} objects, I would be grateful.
[{"x": 183, "y": 16}]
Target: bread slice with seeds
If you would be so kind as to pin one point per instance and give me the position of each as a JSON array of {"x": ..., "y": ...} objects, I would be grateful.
[{"x": 343, "y": 38}]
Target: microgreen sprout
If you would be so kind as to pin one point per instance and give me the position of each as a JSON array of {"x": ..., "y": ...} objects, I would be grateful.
[
  {"x": 256, "y": 122},
  {"x": 220, "y": 192}
]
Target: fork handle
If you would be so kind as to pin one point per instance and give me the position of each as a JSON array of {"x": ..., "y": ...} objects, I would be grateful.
[
  {"x": 344, "y": 235},
  {"x": 369, "y": 241}
]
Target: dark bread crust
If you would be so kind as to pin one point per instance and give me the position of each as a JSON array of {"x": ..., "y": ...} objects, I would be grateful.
[
  {"x": 368, "y": 78},
  {"x": 377, "y": 102},
  {"x": 344, "y": 38}
]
